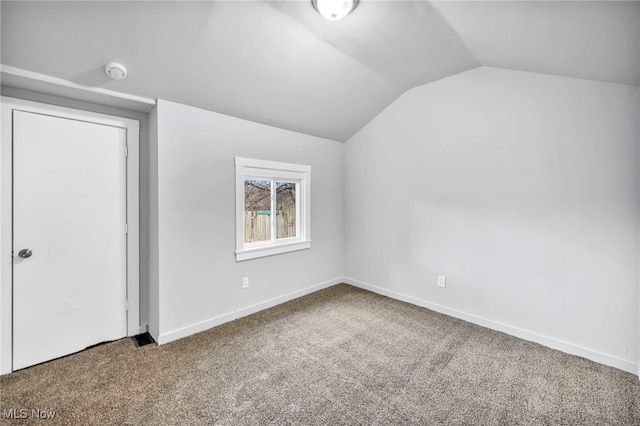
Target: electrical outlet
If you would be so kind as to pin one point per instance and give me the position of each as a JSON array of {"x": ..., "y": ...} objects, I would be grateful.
[
  {"x": 245, "y": 282},
  {"x": 442, "y": 281}
]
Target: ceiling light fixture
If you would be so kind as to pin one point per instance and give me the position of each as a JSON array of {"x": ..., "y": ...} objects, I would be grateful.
[
  {"x": 334, "y": 10},
  {"x": 116, "y": 71}
]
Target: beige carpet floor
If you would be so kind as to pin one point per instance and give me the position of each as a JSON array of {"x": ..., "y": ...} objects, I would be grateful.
[{"x": 338, "y": 356}]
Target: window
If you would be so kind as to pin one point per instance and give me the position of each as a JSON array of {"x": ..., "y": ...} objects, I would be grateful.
[{"x": 272, "y": 208}]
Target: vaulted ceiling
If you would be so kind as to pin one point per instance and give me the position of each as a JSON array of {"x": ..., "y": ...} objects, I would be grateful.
[{"x": 281, "y": 63}]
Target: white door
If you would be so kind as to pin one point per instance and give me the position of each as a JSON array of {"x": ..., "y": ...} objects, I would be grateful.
[{"x": 69, "y": 242}]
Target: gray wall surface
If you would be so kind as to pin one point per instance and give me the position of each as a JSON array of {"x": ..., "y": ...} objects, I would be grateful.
[
  {"x": 199, "y": 281},
  {"x": 521, "y": 189}
]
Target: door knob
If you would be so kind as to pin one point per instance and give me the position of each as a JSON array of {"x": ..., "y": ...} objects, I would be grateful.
[{"x": 24, "y": 253}]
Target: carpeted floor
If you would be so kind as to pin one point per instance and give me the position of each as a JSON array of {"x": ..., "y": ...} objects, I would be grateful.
[{"x": 338, "y": 356}]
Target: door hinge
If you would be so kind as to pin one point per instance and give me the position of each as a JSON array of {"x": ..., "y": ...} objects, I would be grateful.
[
  {"x": 126, "y": 151},
  {"x": 126, "y": 228},
  {"x": 126, "y": 305}
]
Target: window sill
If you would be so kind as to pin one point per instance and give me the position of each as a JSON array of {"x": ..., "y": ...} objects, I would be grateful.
[{"x": 271, "y": 250}]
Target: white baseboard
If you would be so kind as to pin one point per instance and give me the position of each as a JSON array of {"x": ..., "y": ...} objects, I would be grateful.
[
  {"x": 550, "y": 342},
  {"x": 238, "y": 313}
]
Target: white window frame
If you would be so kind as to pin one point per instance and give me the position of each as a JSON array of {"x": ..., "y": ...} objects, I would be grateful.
[{"x": 248, "y": 168}]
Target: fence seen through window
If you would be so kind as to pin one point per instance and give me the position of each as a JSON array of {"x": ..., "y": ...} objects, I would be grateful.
[{"x": 261, "y": 196}]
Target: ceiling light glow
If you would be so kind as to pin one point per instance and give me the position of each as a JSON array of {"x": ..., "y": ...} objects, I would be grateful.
[{"x": 334, "y": 10}]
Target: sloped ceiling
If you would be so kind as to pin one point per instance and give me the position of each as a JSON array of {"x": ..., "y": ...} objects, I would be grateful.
[
  {"x": 281, "y": 63},
  {"x": 590, "y": 40}
]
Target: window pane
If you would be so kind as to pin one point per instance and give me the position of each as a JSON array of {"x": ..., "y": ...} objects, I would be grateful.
[
  {"x": 285, "y": 209},
  {"x": 257, "y": 210}
]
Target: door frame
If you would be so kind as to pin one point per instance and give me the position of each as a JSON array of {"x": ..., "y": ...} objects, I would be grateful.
[{"x": 132, "y": 128}]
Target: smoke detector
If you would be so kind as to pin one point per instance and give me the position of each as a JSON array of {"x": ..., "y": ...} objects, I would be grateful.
[{"x": 116, "y": 71}]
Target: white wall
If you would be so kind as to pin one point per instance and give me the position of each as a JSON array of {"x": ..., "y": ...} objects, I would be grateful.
[
  {"x": 520, "y": 188},
  {"x": 199, "y": 283}
]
